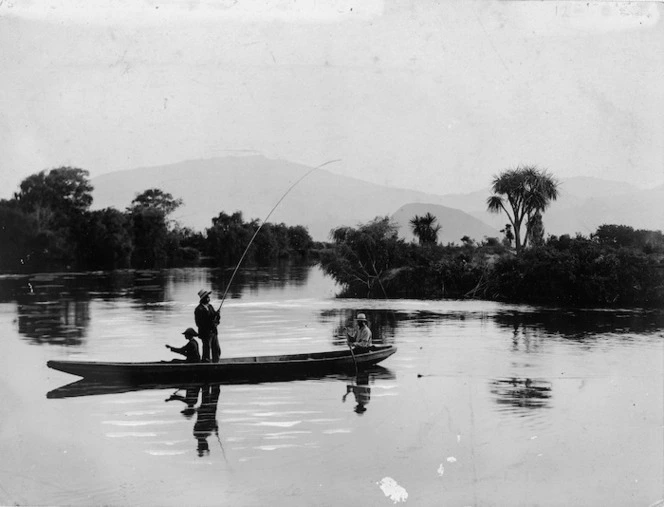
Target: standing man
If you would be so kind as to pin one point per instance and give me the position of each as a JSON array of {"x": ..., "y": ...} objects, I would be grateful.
[
  {"x": 361, "y": 339},
  {"x": 207, "y": 320}
]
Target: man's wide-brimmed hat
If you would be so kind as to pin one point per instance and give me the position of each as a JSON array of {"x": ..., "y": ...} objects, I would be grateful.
[
  {"x": 361, "y": 316},
  {"x": 202, "y": 293},
  {"x": 190, "y": 331}
]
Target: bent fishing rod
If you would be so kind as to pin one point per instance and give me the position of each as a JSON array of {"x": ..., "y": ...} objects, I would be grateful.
[{"x": 237, "y": 267}]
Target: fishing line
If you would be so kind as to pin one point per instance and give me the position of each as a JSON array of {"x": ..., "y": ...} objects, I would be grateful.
[
  {"x": 263, "y": 223},
  {"x": 216, "y": 430}
]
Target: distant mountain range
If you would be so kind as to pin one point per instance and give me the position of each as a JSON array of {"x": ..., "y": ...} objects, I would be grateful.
[
  {"x": 455, "y": 224},
  {"x": 583, "y": 205},
  {"x": 324, "y": 200}
]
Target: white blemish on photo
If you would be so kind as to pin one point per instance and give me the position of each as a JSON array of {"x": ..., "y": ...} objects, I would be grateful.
[{"x": 392, "y": 490}]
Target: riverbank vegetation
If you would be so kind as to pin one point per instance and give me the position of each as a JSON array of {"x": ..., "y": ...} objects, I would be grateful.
[
  {"x": 616, "y": 265},
  {"x": 48, "y": 226}
]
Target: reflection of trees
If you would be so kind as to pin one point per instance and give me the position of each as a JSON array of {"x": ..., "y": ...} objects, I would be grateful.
[
  {"x": 56, "y": 322},
  {"x": 220, "y": 279},
  {"x": 55, "y": 307},
  {"x": 382, "y": 323},
  {"x": 579, "y": 324},
  {"x": 144, "y": 286},
  {"x": 520, "y": 394},
  {"x": 282, "y": 275},
  {"x": 149, "y": 288},
  {"x": 13, "y": 287}
]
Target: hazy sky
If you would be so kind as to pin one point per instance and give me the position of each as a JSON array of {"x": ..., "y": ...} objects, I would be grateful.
[{"x": 436, "y": 96}]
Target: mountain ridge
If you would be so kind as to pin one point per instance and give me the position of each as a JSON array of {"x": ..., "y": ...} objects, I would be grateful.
[{"x": 325, "y": 200}]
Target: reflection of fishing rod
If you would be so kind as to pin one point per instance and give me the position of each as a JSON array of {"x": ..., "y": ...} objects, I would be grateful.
[
  {"x": 261, "y": 226},
  {"x": 352, "y": 353},
  {"x": 216, "y": 432}
]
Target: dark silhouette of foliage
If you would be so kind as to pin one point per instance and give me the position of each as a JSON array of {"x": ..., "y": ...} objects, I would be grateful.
[
  {"x": 155, "y": 198},
  {"x": 65, "y": 190},
  {"x": 47, "y": 226},
  {"x": 562, "y": 271},
  {"x": 625, "y": 236},
  {"x": 185, "y": 246},
  {"x": 105, "y": 240},
  {"x": 156, "y": 239},
  {"x": 578, "y": 271},
  {"x": 150, "y": 237},
  {"x": 523, "y": 193},
  {"x": 508, "y": 235},
  {"x": 56, "y": 202},
  {"x": 299, "y": 239},
  {"x": 367, "y": 259},
  {"x": 18, "y": 231},
  {"x": 535, "y": 230},
  {"x": 230, "y": 235},
  {"x": 424, "y": 229}
]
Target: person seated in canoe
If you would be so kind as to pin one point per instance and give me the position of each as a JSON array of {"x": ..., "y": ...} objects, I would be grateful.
[
  {"x": 360, "y": 339},
  {"x": 190, "y": 350},
  {"x": 207, "y": 320}
]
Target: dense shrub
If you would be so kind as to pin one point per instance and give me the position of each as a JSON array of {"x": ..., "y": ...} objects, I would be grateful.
[
  {"x": 48, "y": 226},
  {"x": 582, "y": 273},
  {"x": 371, "y": 261}
]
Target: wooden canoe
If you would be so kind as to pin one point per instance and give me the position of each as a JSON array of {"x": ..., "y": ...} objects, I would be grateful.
[{"x": 249, "y": 368}]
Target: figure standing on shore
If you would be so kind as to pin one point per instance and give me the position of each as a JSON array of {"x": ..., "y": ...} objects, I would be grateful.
[{"x": 207, "y": 320}]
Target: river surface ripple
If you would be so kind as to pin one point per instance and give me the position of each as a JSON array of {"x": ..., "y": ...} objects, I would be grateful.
[{"x": 483, "y": 404}]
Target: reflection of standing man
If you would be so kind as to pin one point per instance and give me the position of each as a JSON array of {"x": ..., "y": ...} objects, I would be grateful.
[
  {"x": 361, "y": 391},
  {"x": 207, "y": 319},
  {"x": 206, "y": 421}
]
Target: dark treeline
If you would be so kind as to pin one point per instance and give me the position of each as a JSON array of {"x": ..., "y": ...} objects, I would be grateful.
[
  {"x": 616, "y": 265},
  {"x": 48, "y": 225}
]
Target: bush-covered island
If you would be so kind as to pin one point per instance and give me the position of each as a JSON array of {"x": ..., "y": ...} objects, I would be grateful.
[
  {"x": 616, "y": 265},
  {"x": 48, "y": 225}
]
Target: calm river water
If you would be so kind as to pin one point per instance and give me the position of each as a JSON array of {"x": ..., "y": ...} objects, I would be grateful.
[{"x": 483, "y": 404}]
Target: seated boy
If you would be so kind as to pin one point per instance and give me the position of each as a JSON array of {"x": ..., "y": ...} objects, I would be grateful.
[{"x": 190, "y": 350}]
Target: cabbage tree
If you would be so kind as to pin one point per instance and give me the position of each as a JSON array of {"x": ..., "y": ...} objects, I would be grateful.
[
  {"x": 523, "y": 194},
  {"x": 423, "y": 227}
]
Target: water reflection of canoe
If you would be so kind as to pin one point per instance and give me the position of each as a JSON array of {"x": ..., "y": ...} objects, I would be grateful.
[
  {"x": 95, "y": 387},
  {"x": 228, "y": 368}
]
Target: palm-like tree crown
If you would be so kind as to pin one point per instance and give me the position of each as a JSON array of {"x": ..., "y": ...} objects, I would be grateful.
[
  {"x": 522, "y": 193},
  {"x": 424, "y": 229}
]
